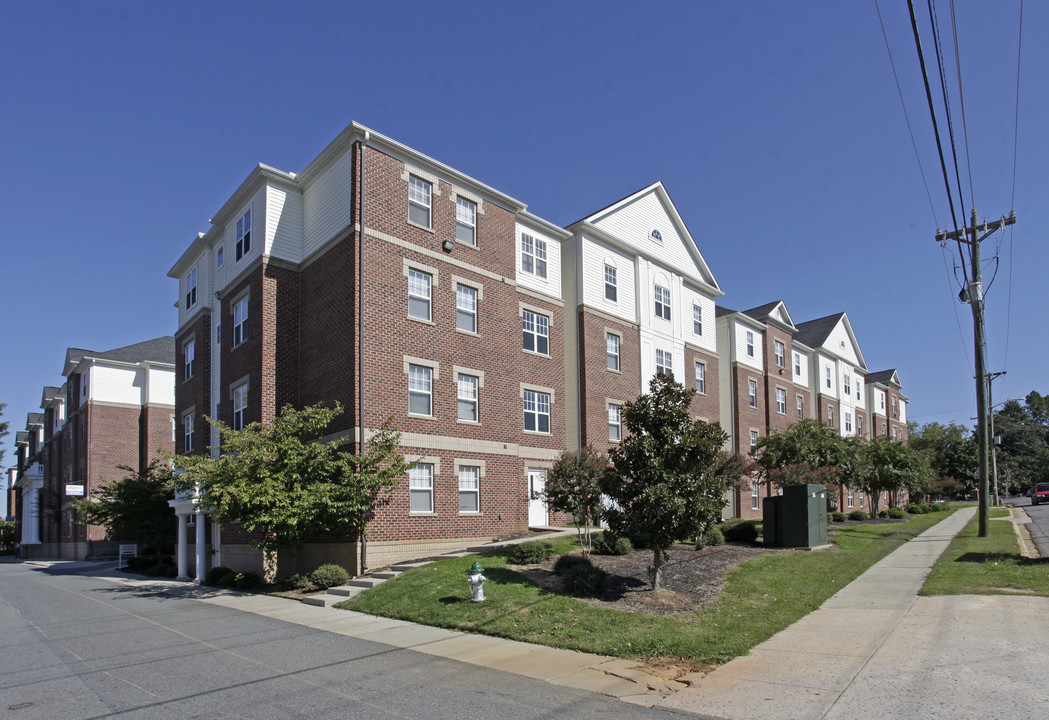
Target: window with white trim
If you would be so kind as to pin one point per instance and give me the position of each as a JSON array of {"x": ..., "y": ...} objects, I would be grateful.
[
  {"x": 240, "y": 406},
  {"x": 420, "y": 195},
  {"x": 191, "y": 288},
  {"x": 800, "y": 405},
  {"x": 752, "y": 393},
  {"x": 615, "y": 422},
  {"x": 755, "y": 494},
  {"x": 420, "y": 390},
  {"x": 533, "y": 255},
  {"x": 848, "y": 421},
  {"x": 467, "y": 394},
  {"x": 894, "y": 432},
  {"x": 827, "y": 373},
  {"x": 662, "y": 300},
  {"x": 697, "y": 320},
  {"x": 859, "y": 383},
  {"x": 664, "y": 362},
  {"x": 750, "y": 343},
  {"x": 220, "y": 257},
  {"x": 851, "y": 497},
  {"x": 536, "y": 411},
  {"x": 830, "y": 416},
  {"x": 893, "y": 399},
  {"x": 797, "y": 363},
  {"x": 881, "y": 401},
  {"x": 465, "y": 221},
  {"x": 466, "y": 308},
  {"x": 859, "y": 424},
  {"x": 187, "y": 430},
  {"x": 611, "y": 289},
  {"x": 240, "y": 321},
  {"x": 781, "y": 401},
  {"x": 420, "y": 289},
  {"x": 753, "y": 443},
  {"x": 701, "y": 378},
  {"x": 420, "y": 488},
  {"x": 779, "y": 352},
  {"x": 612, "y": 351},
  {"x": 847, "y": 384},
  {"x": 189, "y": 352},
  {"x": 469, "y": 488},
  {"x": 535, "y": 330},
  {"x": 243, "y": 246}
]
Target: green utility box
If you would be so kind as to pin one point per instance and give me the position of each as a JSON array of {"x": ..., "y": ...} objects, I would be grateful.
[{"x": 797, "y": 518}]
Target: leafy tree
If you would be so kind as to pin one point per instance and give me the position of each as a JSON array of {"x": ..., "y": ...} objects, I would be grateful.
[
  {"x": 1024, "y": 451},
  {"x": 892, "y": 466},
  {"x": 135, "y": 506},
  {"x": 573, "y": 486},
  {"x": 807, "y": 452},
  {"x": 951, "y": 452},
  {"x": 7, "y": 535},
  {"x": 3, "y": 431},
  {"x": 668, "y": 477},
  {"x": 286, "y": 482}
]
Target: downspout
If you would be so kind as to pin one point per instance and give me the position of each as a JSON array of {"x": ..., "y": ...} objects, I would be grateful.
[{"x": 360, "y": 346}]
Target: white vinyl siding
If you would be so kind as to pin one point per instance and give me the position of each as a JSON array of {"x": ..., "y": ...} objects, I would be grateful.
[
  {"x": 131, "y": 385},
  {"x": 691, "y": 298},
  {"x": 283, "y": 224},
  {"x": 551, "y": 284},
  {"x": 755, "y": 361},
  {"x": 595, "y": 255},
  {"x": 326, "y": 204}
]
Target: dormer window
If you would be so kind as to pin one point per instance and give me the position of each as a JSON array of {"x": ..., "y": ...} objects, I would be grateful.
[{"x": 244, "y": 235}]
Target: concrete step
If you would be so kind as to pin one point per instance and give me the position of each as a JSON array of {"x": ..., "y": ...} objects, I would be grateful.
[
  {"x": 385, "y": 574},
  {"x": 454, "y": 555},
  {"x": 323, "y": 599},
  {"x": 365, "y": 582},
  {"x": 410, "y": 565},
  {"x": 346, "y": 591}
]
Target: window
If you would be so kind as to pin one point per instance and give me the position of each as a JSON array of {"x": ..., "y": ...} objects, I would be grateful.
[
  {"x": 469, "y": 488},
  {"x": 830, "y": 416},
  {"x": 419, "y": 193},
  {"x": 189, "y": 351},
  {"x": 240, "y": 322},
  {"x": 536, "y": 332},
  {"x": 533, "y": 255},
  {"x": 755, "y": 490},
  {"x": 847, "y": 384},
  {"x": 220, "y": 257},
  {"x": 420, "y": 390},
  {"x": 244, "y": 235},
  {"x": 467, "y": 393},
  {"x": 536, "y": 411},
  {"x": 218, "y": 333},
  {"x": 612, "y": 351},
  {"x": 664, "y": 362},
  {"x": 827, "y": 373},
  {"x": 615, "y": 424},
  {"x": 83, "y": 388},
  {"x": 611, "y": 290},
  {"x": 697, "y": 320},
  {"x": 859, "y": 424},
  {"x": 893, "y": 399},
  {"x": 750, "y": 344},
  {"x": 240, "y": 406},
  {"x": 752, "y": 393},
  {"x": 187, "y": 429},
  {"x": 881, "y": 401},
  {"x": 800, "y": 403},
  {"x": 797, "y": 363},
  {"x": 701, "y": 378},
  {"x": 191, "y": 288},
  {"x": 753, "y": 443},
  {"x": 852, "y": 497},
  {"x": 419, "y": 289},
  {"x": 420, "y": 488},
  {"x": 893, "y": 432},
  {"x": 662, "y": 296},
  {"x": 466, "y": 308},
  {"x": 779, "y": 352},
  {"x": 465, "y": 221},
  {"x": 848, "y": 422},
  {"x": 858, "y": 383},
  {"x": 781, "y": 401}
]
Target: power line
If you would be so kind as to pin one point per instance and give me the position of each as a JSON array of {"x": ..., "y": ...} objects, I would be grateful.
[
  {"x": 961, "y": 101},
  {"x": 1012, "y": 196},
  {"x": 946, "y": 97}
]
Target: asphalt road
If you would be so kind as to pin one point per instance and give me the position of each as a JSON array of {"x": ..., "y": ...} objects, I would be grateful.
[
  {"x": 76, "y": 647},
  {"x": 1039, "y": 525}
]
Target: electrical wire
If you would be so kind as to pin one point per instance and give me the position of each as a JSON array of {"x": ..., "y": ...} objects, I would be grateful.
[
  {"x": 1012, "y": 196},
  {"x": 954, "y": 306},
  {"x": 946, "y": 104},
  {"x": 961, "y": 102}
]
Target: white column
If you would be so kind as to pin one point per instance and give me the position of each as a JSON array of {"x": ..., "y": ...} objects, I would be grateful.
[
  {"x": 201, "y": 550},
  {"x": 30, "y": 515},
  {"x": 183, "y": 548},
  {"x": 216, "y": 543}
]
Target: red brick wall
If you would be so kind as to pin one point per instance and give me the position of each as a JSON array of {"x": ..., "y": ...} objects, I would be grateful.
[
  {"x": 278, "y": 315},
  {"x": 597, "y": 382},
  {"x": 196, "y": 391},
  {"x": 707, "y": 405},
  {"x": 246, "y": 358},
  {"x": 746, "y": 417},
  {"x": 112, "y": 441}
]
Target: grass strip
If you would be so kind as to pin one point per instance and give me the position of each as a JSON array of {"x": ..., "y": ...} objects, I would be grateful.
[
  {"x": 993, "y": 565},
  {"x": 762, "y": 596}
]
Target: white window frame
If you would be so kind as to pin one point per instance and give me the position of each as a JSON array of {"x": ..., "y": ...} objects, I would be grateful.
[
  {"x": 755, "y": 494},
  {"x": 537, "y": 407},
  {"x": 851, "y": 498},
  {"x": 470, "y": 485},
  {"x": 848, "y": 421},
  {"x": 187, "y": 432},
  {"x": 781, "y": 401},
  {"x": 465, "y": 221},
  {"x": 191, "y": 288},
  {"x": 467, "y": 391},
  {"x": 611, "y": 286},
  {"x": 847, "y": 384},
  {"x": 859, "y": 424},
  {"x": 465, "y": 308},
  {"x": 615, "y": 422},
  {"x": 420, "y": 294},
  {"x": 535, "y": 330},
  {"x": 243, "y": 246},
  {"x": 189, "y": 354},
  {"x": 220, "y": 257},
  {"x": 779, "y": 352},
  {"x": 533, "y": 255},
  {"x": 420, "y": 486},
  {"x": 240, "y": 321},
  {"x": 420, "y": 200},
  {"x": 752, "y": 393},
  {"x": 830, "y": 415},
  {"x": 827, "y": 372},
  {"x": 750, "y": 343},
  {"x": 240, "y": 406},
  {"x": 797, "y": 363},
  {"x": 753, "y": 443},
  {"x": 612, "y": 355},
  {"x": 701, "y": 377},
  {"x": 420, "y": 388},
  {"x": 697, "y": 319},
  {"x": 799, "y": 405},
  {"x": 664, "y": 362},
  {"x": 661, "y": 296}
]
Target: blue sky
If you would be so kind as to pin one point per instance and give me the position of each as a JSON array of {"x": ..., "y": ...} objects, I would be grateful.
[{"x": 776, "y": 127}]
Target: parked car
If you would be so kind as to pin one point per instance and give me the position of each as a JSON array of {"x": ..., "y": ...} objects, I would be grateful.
[{"x": 1040, "y": 493}]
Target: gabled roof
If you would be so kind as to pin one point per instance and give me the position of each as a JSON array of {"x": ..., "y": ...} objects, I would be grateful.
[
  {"x": 21, "y": 437},
  {"x": 158, "y": 350},
  {"x": 50, "y": 393},
  {"x": 885, "y": 377},
  {"x": 815, "y": 334},
  {"x": 774, "y": 313},
  {"x": 34, "y": 418}
]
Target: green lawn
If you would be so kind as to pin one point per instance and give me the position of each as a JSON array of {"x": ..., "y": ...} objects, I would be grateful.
[
  {"x": 987, "y": 566},
  {"x": 762, "y": 596}
]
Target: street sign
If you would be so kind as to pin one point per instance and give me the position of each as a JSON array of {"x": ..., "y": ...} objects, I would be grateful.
[{"x": 74, "y": 490}]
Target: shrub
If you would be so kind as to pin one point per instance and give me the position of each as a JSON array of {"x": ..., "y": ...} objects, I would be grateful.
[
  {"x": 859, "y": 515},
  {"x": 883, "y": 514},
  {"x": 529, "y": 553},
  {"x": 298, "y": 581},
  {"x": 838, "y": 516},
  {"x": 585, "y": 580},
  {"x": 329, "y": 575},
  {"x": 214, "y": 575},
  {"x": 162, "y": 569},
  {"x": 228, "y": 580},
  {"x": 247, "y": 580},
  {"x": 896, "y": 513},
  {"x": 609, "y": 544},
  {"x": 565, "y": 563},
  {"x": 740, "y": 530},
  {"x": 713, "y": 536},
  {"x": 931, "y": 507},
  {"x": 916, "y": 509}
]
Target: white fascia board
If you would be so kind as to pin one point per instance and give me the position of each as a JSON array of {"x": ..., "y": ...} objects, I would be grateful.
[
  {"x": 526, "y": 218},
  {"x": 855, "y": 342}
]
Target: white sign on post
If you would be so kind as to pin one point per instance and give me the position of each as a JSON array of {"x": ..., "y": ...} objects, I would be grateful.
[
  {"x": 126, "y": 553},
  {"x": 74, "y": 490}
]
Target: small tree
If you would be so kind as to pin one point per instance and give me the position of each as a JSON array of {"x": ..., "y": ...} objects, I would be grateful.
[
  {"x": 135, "y": 506},
  {"x": 666, "y": 483},
  {"x": 284, "y": 481},
  {"x": 892, "y": 466},
  {"x": 3, "y": 433},
  {"x": 573, "y": 486},
  {"x": 807, "y": 452}
]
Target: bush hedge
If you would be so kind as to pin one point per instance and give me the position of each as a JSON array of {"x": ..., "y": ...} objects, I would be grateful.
[
  {"x": 215, "y": 575},
  {"x": 329, "y": 575},
  {"x": 916, "y": 509},
  {"x": 859, "y": 515},
  {"x": 897, "y": 513},
  {"x": 608, "y": 544},
  {"x": 837, "y": 516},
  {"x": 529, "y": 553},
  {"x": 713, "y": 536},
  {"x": 580, "y": 576},
  {"x": 737, "y": 530}
]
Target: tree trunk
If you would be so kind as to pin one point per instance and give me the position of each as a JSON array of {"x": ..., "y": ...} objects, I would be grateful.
[{"x": 657, "y": 569}]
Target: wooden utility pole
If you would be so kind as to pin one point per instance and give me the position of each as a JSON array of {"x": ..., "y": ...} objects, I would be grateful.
[{"x": 973, "y": 294}]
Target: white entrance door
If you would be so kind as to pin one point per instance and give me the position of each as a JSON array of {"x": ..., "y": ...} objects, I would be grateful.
[{"x": 537, "y": 515}]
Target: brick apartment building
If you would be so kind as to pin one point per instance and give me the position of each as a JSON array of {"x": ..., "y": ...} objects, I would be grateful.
[{"x": 116, "y": 408}]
